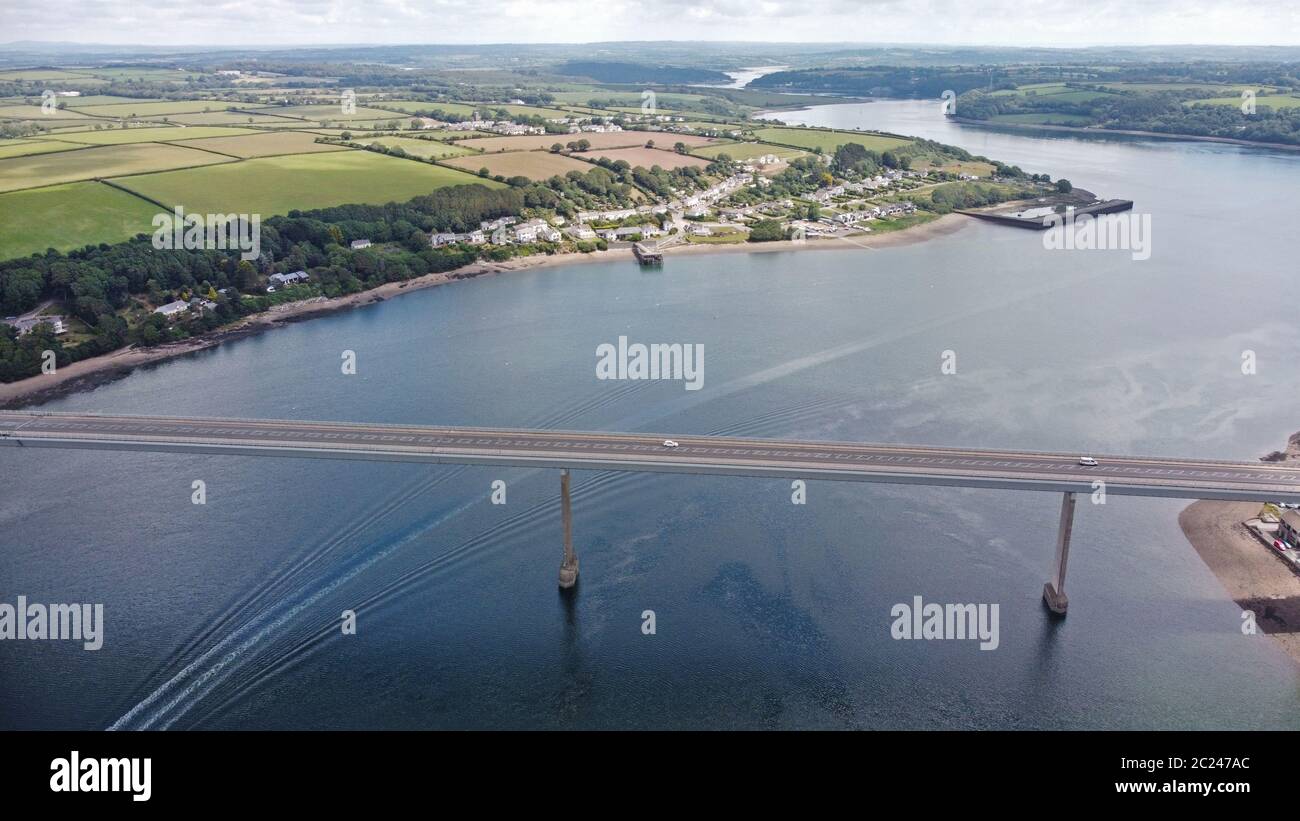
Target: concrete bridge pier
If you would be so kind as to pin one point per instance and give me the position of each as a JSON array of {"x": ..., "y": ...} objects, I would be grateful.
[
  {"x": 569, "y": 566},
  {"x": 1054, "y": 591}
]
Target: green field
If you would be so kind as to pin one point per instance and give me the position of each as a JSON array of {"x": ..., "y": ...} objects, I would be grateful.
[
  {"x": 69, "y": 216},
  {"x": 332, "y": 113},
  {"x": 828, "y": 140},
  {"x": 104, "y": 99},
  {"x": 21, "y": 148},
  {"x": 235, "y": 118},
  {"x": 1037, "y": 88},
  {"x": 122, "y": 136},
  {"x": 97, "y": 162},
  {"x": 1054, "y": 92},
  {"x": 418, "y": 148},
  {"x": 277, "y": 185},
  {"x": 143, "y": 109},
  {"x": 1270, "y": 100},
  {"x": 138, "y": 73},
  {"x": 262, "y": 145},
  {"x": 743, "y": 151},
  {"x": 21, "y": 111},
  {"x": 1235, "y": 89}
]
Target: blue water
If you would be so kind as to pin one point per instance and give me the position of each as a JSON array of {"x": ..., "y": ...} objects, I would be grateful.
[{"x": 768, "y": 614}]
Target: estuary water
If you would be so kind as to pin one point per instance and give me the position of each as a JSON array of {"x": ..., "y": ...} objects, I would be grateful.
[{"x": 766, "y": 613}]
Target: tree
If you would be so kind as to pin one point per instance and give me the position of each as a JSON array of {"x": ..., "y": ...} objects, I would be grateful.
[
  {"x": 246, "y": 275},
  {"x": 556, "y": 148},
  {"x": 1064, "y": 186},
  {"x": 814, "y": 211},
  {"x": 681, "y": 148},
  {"x": 766, "y": 231}
]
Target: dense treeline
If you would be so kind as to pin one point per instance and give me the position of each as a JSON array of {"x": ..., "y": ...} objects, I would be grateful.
[
  {"x": 929, "y": 82},
  {"x": 98, "y": 284},
  {"x": 1164, "y": 112},
  {"x": 912, "y": 82}
]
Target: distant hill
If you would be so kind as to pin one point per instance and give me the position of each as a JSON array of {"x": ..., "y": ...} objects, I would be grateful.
[{"x": 611, "y": 72}]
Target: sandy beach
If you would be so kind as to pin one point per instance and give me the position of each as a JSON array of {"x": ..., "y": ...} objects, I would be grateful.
[
  {"x": 1254, "y": 578},
  {"x": 90, "y": 373}
]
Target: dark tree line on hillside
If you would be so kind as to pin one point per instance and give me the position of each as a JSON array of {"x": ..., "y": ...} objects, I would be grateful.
[
  {"x": 1163, "y": 112},
  {"x": 910, "y": 82}
]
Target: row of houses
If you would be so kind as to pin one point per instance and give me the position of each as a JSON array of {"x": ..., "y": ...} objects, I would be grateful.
[
  {"x": 875, "y": 212},
  {"x": 503, "y": 231}
]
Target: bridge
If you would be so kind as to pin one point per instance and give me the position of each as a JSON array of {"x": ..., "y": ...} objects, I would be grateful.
[{"x": 716, "y": 455}]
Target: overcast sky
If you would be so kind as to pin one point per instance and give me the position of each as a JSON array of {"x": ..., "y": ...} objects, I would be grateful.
[{"x": 988, "y": 22}]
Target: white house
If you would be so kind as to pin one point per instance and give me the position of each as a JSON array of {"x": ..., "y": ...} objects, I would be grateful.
[
  {"x": 278, "y": 280},
  {"x": 439, "y": 240},
  {"x": 171, "y": 309},
  {"x": 581, "y": 232},
  {"x": 358, "y": 244},
  {"x": 548, "y": 234},
  {"x": 530, "y": 230},
  {"x": 28, "y": 324}
]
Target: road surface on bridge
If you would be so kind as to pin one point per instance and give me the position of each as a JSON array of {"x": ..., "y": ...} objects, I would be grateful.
[{"x": 846, "y": 461}]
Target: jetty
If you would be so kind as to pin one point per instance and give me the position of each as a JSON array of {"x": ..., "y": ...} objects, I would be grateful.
[
  {"x": 647, "y": 254},
  {"x": 1042, "y": 217}
]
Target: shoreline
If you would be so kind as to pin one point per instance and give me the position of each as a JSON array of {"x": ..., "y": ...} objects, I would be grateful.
[
  {"x": 1076, "y": 129},
  {"x": 91, "y": 373},
  {"x": 1254, "y": 578}
]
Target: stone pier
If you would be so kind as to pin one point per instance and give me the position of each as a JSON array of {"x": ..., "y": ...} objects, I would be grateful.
[
  {"x": 1054, "y": 591},
  {"x": 569, "y": 566}
]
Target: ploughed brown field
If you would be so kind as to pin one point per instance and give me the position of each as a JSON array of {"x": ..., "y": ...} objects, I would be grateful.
[
  {"x": 650, "y": 157},
  {"x": 535, "y": 165}
]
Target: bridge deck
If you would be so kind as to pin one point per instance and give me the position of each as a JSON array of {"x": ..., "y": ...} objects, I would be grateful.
[{"x": 848, "y": 461}]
